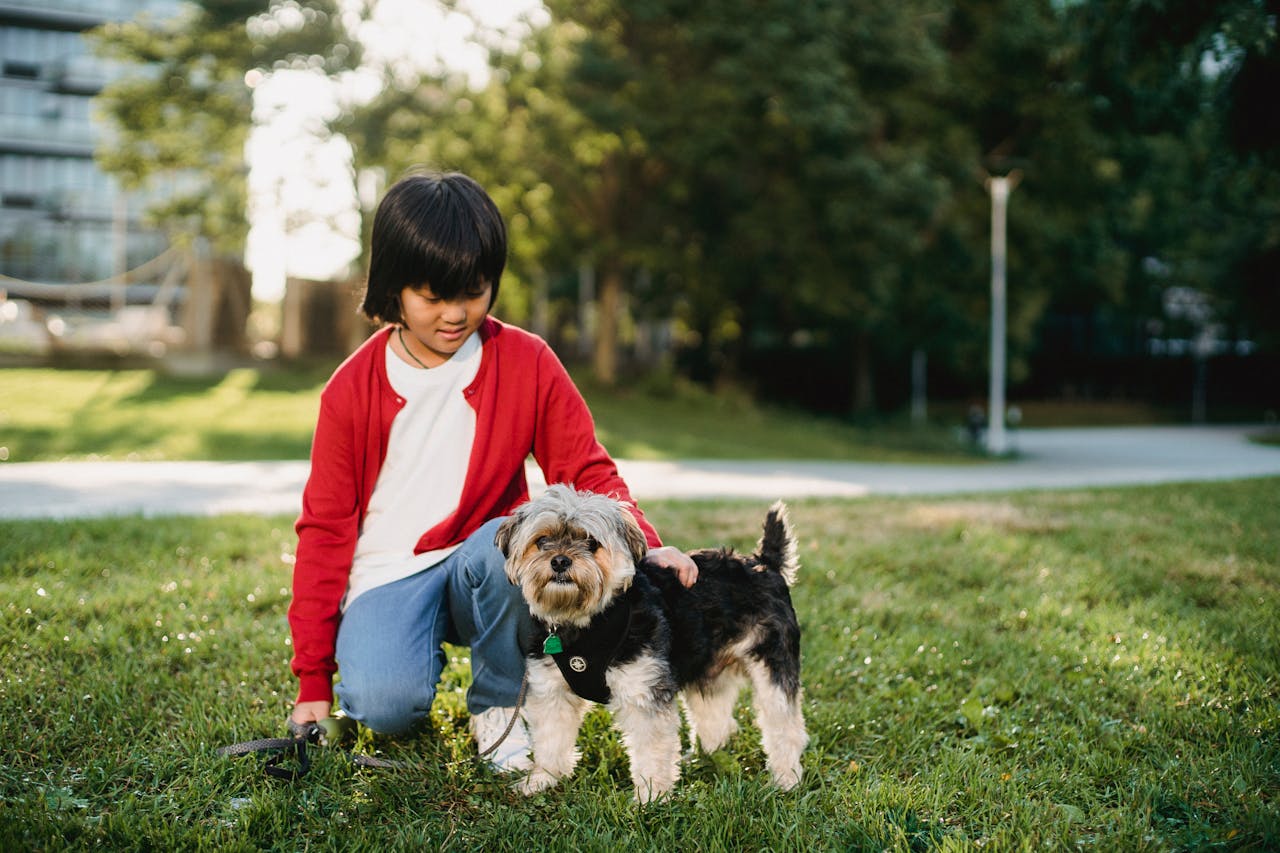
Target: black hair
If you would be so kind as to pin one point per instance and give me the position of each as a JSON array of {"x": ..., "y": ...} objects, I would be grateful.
[{"x": 438, "y": 229}]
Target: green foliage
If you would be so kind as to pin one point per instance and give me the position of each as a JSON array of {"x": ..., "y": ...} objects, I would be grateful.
[
  {"x": 1159, "y": 171},
  {"x": 1058, "y": 670},
  {"x": 789, "y": 174},
  {"x": 798, "y": 177},
  {"x": 182, "y": 116}
]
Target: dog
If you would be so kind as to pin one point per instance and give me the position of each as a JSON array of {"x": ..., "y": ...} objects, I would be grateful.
[{"x": 610, "y": 629}]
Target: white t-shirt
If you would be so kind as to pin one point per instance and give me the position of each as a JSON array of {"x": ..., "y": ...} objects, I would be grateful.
[{"x": 421, "y": 479}]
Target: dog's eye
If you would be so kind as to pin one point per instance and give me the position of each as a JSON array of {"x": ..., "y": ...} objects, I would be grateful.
[
  {"x": 542, "y": 541},
  {"x": 592, "y": 545}
]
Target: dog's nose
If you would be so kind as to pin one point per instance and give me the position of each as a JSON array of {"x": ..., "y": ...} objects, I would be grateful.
[{"x": 560, "y": 563}]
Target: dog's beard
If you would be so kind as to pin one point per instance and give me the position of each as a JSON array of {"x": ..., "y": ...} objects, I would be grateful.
[{"x": 572, "y": 596}]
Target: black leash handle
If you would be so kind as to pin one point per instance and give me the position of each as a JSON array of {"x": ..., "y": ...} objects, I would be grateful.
[
  {"x": 281, "y": 747},
  {"x": 303, "y": 733}
]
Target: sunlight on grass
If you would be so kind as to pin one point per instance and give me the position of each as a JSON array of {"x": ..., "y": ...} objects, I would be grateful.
[
  {"x": 269, "y": 413},
  {"x": 141, "y": 414}
]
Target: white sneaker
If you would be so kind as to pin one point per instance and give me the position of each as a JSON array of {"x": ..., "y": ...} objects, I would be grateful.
[{"x": 513, "y": 754}]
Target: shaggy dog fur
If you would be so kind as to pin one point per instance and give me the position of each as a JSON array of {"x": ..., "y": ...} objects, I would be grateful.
[{"x": 613, "y": 630}]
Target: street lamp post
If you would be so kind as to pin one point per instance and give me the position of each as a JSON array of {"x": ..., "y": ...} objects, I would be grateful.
[{"x": 997, "y": 442}]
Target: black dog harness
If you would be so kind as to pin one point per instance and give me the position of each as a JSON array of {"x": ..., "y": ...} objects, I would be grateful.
[{"x": 584, "y": 654}]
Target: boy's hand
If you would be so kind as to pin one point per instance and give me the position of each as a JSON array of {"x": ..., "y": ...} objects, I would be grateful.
[
  {"x": 310, "y": 712},
  {"x": 669, "y": 557}
]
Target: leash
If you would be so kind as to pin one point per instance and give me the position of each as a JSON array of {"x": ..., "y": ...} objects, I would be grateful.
[
  {"x": 302, "y": 734},
  {"x": 515, "y": 715},
  {"x": 281, "y": 748}
]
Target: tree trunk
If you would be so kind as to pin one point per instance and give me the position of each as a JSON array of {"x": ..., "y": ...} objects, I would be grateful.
[
  {"x": 864, "y": 400},
  {"x": 540, "y": 311},
  {"x": 587, "y": 308},
  {"x": 608, "y": 304},
  {"x": 919, "y": 396}
]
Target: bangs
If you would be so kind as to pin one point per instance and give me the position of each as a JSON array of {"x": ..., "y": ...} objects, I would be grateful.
[
  {"x": 447, "y": 248},
  {"x": 441, "y": 232}
]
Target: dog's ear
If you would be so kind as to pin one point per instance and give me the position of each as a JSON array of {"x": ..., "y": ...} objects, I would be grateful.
[
  {"x": 507, "y": 531},
  {"x": 634, "y": 537}
]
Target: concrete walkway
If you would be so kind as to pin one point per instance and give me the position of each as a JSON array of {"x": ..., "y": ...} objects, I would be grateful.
[{"x": 1047, "y": 459}]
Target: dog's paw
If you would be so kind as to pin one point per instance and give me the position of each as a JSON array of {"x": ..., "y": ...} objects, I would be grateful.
[
  {"x": 787, "y": 778},
  {"x": 646, "y": 793},
  {"x": 537, "y": 780}
]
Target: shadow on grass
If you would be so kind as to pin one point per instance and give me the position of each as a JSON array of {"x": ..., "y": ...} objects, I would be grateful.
[
  {"x": 293, "y": 377},
  {"x": 258, "y": 446},
  {"x": 161, "y": 388}
]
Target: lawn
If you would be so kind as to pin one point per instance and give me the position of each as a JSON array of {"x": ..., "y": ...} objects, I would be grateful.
[
  {"x": 1064, "y": 670},
  {"x": 269, "y": 413}
]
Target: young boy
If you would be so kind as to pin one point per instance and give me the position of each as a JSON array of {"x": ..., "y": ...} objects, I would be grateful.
[{"x": 419, "y": 451}]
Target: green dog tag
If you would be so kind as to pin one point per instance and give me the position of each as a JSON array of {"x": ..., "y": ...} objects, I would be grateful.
[{"x": 552, "y": 645}]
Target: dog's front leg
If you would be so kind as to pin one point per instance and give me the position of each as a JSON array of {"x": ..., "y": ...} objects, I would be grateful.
[
  {"x": 651, "y": 735},
  {"x": 643, "y": 705},
  {"x": 554, "y": 715}
]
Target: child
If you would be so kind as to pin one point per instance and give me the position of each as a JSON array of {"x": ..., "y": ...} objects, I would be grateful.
[{"x": 419, "y": 451}]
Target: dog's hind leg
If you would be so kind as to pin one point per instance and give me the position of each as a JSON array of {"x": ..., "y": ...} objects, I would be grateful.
[
  {"x": 781, "y": 722},
  {"x": 554, "y": 715},
  {"x": 709, "y": 709}
]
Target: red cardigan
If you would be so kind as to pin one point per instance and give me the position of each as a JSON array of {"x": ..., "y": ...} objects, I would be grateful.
[{"x": 525, "y": 403}]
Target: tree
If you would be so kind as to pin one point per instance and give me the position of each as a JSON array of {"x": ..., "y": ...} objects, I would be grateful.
[
  {"x": 1179, "y": 186},
  {"x": 181, "y": 122},
  {"x": 786, "y": 186},
  {"x": 803, "y": 182}
]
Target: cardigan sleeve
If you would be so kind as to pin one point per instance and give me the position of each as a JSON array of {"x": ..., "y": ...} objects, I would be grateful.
[
  {"x": 327, "y": 532},
  {"x": 565, "y": 445}
]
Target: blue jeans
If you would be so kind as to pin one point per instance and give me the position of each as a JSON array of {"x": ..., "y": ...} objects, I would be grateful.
[{"x": 388, "y": 650}]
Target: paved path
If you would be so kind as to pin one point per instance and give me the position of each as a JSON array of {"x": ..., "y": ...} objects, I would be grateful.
[{"x": 1047, "y": 459}]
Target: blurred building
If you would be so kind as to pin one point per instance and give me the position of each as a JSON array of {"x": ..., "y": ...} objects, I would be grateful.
[{"x": 62, "y": 220}]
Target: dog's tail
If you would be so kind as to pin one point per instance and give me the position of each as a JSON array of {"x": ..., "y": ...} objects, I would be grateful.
[{"x": 777, "y": 549}]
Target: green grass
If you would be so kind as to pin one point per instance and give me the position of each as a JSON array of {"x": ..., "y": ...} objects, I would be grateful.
[
  {"x": 259, "y": 413},
  {"x": 1060, "y": 670},
  {"x": 49, "y": 414}
]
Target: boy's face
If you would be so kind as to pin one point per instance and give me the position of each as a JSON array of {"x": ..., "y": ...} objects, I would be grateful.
[{"x": 436, "y": 328}]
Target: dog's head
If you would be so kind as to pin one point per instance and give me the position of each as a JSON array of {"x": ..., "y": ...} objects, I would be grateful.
[{"x": 571, "y": 553}]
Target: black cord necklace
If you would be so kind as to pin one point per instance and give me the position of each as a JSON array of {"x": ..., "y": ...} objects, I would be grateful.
[{"x": 405, "y": 347}]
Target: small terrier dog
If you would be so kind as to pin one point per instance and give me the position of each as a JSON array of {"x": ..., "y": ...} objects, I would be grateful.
[{"x": 610, "y": 629}]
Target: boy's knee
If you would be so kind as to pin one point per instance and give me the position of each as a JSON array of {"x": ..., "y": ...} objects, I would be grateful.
[
  {"x": 486, "y": 566},
  {"x": 391, "y": 707}
]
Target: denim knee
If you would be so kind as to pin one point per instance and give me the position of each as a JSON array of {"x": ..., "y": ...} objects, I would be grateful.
[
  {"x": 485, "y": 566},
  {"x": 388, "y": 705}
]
